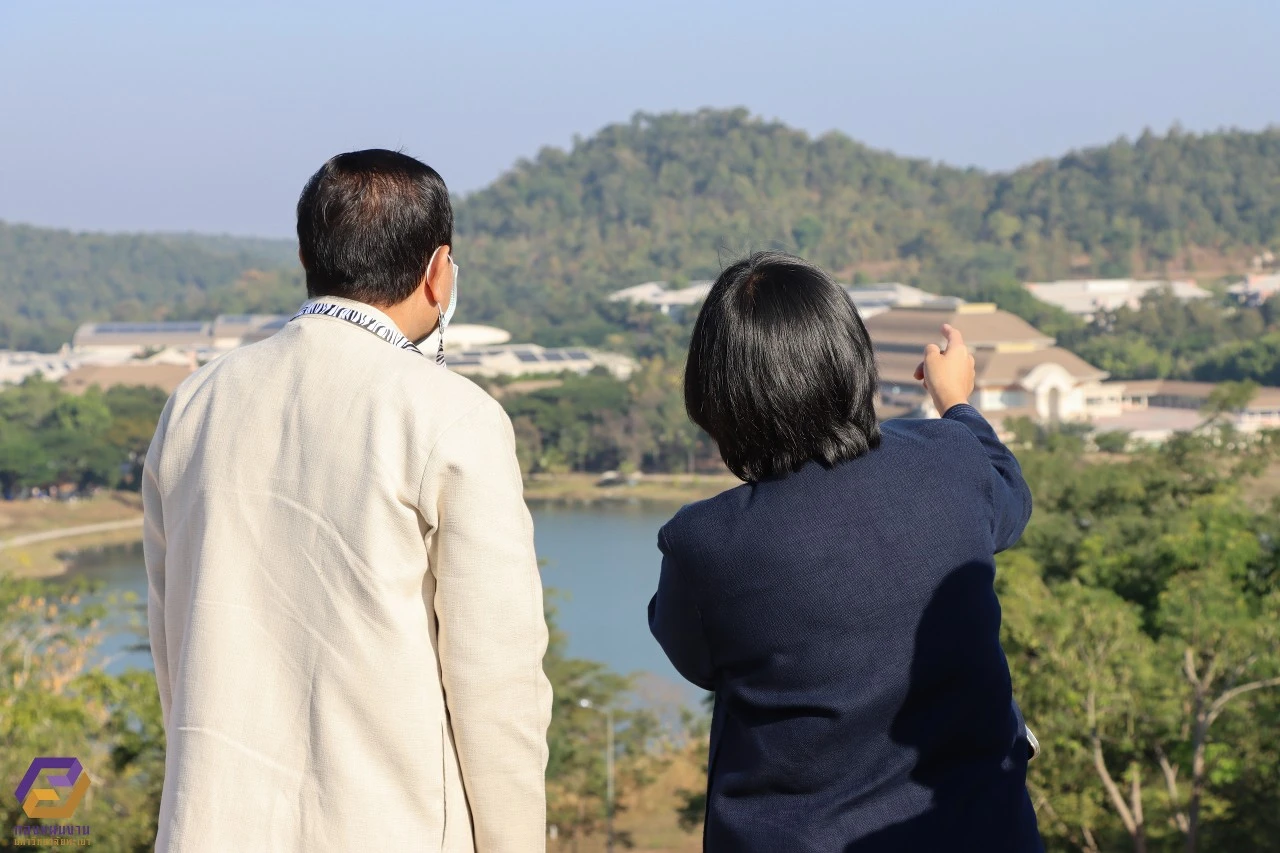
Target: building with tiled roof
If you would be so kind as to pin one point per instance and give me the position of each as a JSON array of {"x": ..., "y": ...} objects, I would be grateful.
[
  {"x": 1019, "y": 368},
  {"x": 1156, "y": 408},
  {"x": 1020, "y": 372}
]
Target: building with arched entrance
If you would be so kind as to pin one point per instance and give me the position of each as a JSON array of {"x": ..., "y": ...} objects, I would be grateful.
[{"x": 1020, "y": 370}]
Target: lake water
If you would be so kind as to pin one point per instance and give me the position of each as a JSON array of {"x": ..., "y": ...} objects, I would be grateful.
[{"x": 600, "y": 566}]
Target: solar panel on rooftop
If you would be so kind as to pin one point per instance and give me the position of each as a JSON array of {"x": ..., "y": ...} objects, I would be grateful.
[{"x": 146, "y": 328}]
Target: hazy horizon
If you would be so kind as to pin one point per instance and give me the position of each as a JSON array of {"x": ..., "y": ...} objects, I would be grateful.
[
  {"x": 142, "y": 116},
  {"x": 290, "y": 237}
]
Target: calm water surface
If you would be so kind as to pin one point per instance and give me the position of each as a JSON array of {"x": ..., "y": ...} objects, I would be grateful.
[{"x": 600, "y": 566}]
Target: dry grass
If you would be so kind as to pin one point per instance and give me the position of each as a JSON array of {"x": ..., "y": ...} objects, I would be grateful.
[
  {"x": 46, "y": 559},
  {"x": 36, "y": 516},
  {"x": 523, "y": 386},
  {"x": 1266, "y": 488},
  {"x": 650, "y": 814},
  {"x": 49, "y": 559}
]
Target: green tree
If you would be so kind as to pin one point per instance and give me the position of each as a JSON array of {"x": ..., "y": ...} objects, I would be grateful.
[
  {"x": 1114, "y": 441},
  {"x": 55, "y": 700},
  {"x": 135, "y": 410},
  {"x": 668, "y": 196},
  {"x": 52, "y": 438},
  {"x": 1228, "y": 397},
  {"x": 1225, "y": 647},
  {"x": 577, "y": 740}
]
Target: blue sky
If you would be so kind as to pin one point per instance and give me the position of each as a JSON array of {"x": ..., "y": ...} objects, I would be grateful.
[{"x": 176, "y": 116}]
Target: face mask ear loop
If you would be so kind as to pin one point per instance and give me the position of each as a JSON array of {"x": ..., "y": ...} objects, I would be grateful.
[{"x": 442, "y": 322}]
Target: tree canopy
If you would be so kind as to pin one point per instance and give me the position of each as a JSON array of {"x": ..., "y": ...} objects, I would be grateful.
[
  {"x": 674, "y": 195},
  {"x": 678, "y": 193},
  {"x": 52, "y": 281}
]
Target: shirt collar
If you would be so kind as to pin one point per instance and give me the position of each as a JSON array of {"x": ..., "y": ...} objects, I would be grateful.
[{"x": 362, "y": 307}]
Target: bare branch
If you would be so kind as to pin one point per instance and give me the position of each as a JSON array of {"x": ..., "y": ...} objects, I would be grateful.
[
  {"x": 1220, "y": 703},
  {"x": 1113, "y": 791},
  {"x": 1043, "y": 806},
  {"x": 1189, "y": 666},
  {"x": 1210, "y": 671},
  {"x": 1100, "y": 764},
  {"x": 1171, "y": 782},
  {"x": 1243, "y": 667},
  {"x": 1135, "y": 794}
]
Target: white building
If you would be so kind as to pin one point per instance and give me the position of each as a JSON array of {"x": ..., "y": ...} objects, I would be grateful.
[
  {"x": 869, "y": 299},
  {"x": 129, "y": 339},
  {"x": 1020, "y": 372},
  {"x": 1154, "y": 409},
  {"x": 16, "y": 366},
  {"x": 532, "y": 360},
  {"x": 473, "y": 349},
  {"x": 225, "y": 333},
  {"x": 658, "y": 294},
  {"x": 1089, "y": 297},
  {"x": 873, "y": 299},
  {"x": 463, "y": 336},
  {"x": 1256, "y": 288},
  {"x": 206, "y": 340},
  {"x": 232, "y": 330}
]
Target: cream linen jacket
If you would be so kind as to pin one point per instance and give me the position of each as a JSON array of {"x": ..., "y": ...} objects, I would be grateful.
[{"x": 345, "y": 610}]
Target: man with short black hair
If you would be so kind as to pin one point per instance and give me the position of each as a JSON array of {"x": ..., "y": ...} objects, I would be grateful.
[{"x": 344, "y": 602}]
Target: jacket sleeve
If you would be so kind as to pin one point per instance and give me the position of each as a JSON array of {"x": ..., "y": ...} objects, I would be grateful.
[
  {"x": 1008, "y": 492},
  {"x": 676, "y": 623},
  {"x": 491, "y": 629},
  {"x": 153, "y": 555}
]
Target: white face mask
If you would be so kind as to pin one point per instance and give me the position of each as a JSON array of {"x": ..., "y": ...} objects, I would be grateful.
[
  {"x": 435, "y": 340},
  {"x": 447, "y": 317}
]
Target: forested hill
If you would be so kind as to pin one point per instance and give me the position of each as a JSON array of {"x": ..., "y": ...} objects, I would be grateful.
[
  {"x": 671, "y": 196},
  {"x": 52, "y": 280}
]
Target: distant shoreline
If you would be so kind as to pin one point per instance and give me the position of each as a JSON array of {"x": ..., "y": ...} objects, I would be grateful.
[
  {"x": 587, "y": 489},
  {"x": 43, "y": 539}
]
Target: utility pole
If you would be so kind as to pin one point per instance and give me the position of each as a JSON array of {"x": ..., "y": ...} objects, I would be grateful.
[{"x": 608, "y": 768}]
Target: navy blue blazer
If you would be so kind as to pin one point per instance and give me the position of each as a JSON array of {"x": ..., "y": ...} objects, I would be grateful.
[{"x": 846, "y": 619}]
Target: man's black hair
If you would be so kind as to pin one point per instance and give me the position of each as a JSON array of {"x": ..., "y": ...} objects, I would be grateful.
[{"x": 368, "y": 223}]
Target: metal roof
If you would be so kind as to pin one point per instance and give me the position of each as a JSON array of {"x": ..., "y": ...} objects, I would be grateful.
[{"x": 145, "y": 328}]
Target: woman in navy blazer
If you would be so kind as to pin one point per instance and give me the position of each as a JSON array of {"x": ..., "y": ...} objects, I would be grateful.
[{"x": 840, "y": 602}]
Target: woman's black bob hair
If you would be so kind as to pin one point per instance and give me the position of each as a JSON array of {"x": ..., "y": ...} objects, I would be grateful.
[{"x": 781, "y": 370}]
